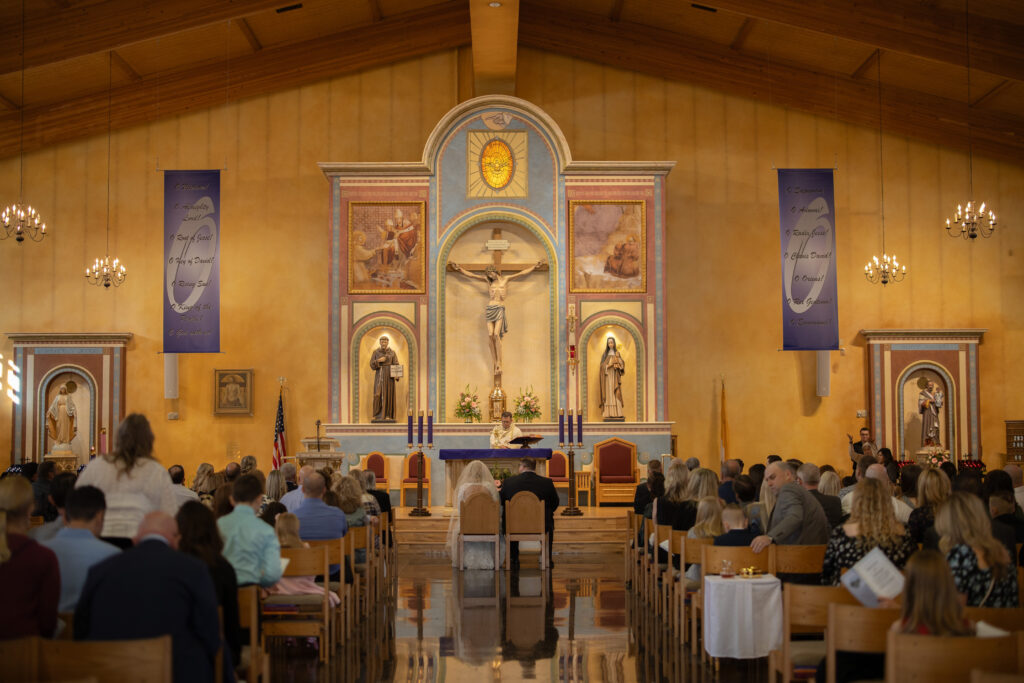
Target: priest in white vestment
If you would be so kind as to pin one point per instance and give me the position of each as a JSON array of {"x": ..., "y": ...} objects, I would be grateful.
[{"x": 503, "y": 433}]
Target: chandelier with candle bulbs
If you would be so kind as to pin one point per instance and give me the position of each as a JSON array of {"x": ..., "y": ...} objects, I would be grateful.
[
  {"x": 107, "y": 271},
  {"x": 886, "y": 269},
  {"x": 971, "y": 220},
  {"x": 20, "y": 220}
]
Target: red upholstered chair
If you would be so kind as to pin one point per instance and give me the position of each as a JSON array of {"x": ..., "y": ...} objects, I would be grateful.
[
  {"x": 410, "y": 471},
  {"x": 615, "y": 471},
  {"x": 558, "y": 470},
  {"x": 376, "y": 463}
]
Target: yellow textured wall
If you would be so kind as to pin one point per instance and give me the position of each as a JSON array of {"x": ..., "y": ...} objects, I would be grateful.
[{"x": 722, "y": 248}]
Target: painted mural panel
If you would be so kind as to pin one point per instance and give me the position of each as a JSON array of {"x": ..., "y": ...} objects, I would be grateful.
[
  {"x": 385, "y": 253},
  {"x": 608, "y": 246}
]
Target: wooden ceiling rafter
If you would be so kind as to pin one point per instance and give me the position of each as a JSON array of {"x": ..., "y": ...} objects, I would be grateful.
[
  {"x": 867, "y": 65},
  {"x": 122, "y": 64},
  {"x": 88, "y": 28},
  {"x": 910, "y": 27},
  {"x": 394, "y": 39},
  {"x": 742, "y": 34},
  {"x": 375, "y": 10},
  {"x": 662, "y": 53},
  {"x": 991, "y": 92},
  {"x": 248, "y": 34},
  {"x": 495, "y": 31},
  {"x": 8, "y": 104}
]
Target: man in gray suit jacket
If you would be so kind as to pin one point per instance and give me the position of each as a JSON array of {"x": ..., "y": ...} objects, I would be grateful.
[{"x": 797, "y": 518}]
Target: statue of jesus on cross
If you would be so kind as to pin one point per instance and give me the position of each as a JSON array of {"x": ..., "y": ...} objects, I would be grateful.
[{"x": 497, "y": 290}]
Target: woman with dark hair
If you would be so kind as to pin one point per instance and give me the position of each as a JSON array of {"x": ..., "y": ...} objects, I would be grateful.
[
  {"x": 891, "y": 468},
  {"x": 270, "y": 513},
  {"x": 908, "y": 484},
  {"x": 133, "y": 483},
  {"x": 200, "y": 538},
  {"x": 222, "y": 504}
]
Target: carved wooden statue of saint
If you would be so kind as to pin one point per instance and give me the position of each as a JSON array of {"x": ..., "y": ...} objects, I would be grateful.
[
  {"x": 384, "y": 362},
  {"x": 610, "y": 382}
]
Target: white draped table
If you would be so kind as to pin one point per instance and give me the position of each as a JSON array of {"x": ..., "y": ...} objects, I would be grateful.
[{"x": 742, "y": 617}]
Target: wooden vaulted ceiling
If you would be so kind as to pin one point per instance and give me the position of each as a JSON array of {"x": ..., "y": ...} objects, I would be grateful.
[{"x": 171, "y": 57}]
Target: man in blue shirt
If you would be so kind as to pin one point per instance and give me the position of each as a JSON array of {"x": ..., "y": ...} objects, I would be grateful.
[
  {"x": 250, "y": 544},
  {"x": 77, "y": 545},
  {"x": 293, "y": 499},
  {"x": 317, "y": 520}
]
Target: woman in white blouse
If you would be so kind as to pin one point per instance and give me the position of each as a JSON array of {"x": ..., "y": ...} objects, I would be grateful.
[{"x": 133, "y": 482}]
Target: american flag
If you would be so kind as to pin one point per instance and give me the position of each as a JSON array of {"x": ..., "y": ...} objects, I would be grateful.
[{"x": 280, "y": 451}]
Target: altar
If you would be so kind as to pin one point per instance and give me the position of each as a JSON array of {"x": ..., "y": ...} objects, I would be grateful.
[{"x": 456, "y": 460}]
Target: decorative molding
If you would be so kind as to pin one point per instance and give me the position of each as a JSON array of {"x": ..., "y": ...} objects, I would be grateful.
[
  {"x": 951, "y": 335},
  {"x": 70, "y": 338}
]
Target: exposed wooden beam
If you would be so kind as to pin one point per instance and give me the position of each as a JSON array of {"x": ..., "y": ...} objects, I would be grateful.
[
  {"x": 993, "y": 91},
  {"x": 126, "y": 68},
  {"x": 616, "y": 12},
  {"x": 249, "y": 34},
  {"x": 396, "y": 38},
  {"x": 913, "y": 27},
  {"x": 495, "y": 30},
  {"x": 742, "y": 34},
  {"x": 684, "y": 58},
  {"x": 375, "y": 11},
  {"x": 7, "y": 104},
  {"x": 84, "y": 28},
  {"x": 867, "y": 65}
]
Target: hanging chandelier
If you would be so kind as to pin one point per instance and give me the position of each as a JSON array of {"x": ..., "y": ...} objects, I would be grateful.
[
  {"x": 107, "y": 271},
  {"x": 887, "y": 268},
  {"x": 972, "y": 219},
  {"x": 20, "y": 220}
]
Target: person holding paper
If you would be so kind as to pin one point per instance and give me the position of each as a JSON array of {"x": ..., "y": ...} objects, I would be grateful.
[
  {"x": 981, "y": 565},
  {"x": 872, "y": 523},
  {"x": 796, "y": 518}
]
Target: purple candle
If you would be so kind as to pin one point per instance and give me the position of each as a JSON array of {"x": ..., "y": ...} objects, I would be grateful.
[
  {"x": 410, "y": 429},
  {"x": 561, "y": 427},
  {"x": 430, "y": 428},
  {"x": 419, "y": 432},
  {"x": 579, "y": 429}
]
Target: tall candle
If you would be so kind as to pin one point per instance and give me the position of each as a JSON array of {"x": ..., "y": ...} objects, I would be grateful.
[
  {"x": 579, "y": 430},
  {"x": 561, "y": 427},
  {"x": 410, "y": 429},
  {"x": 430, "y": 429},
  {"x": 419, "y": 432}
]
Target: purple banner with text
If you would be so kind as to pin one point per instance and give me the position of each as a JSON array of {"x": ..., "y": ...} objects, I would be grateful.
[
  {"x": 810, "y": 310},
  {"x": 191, "y": 261}
]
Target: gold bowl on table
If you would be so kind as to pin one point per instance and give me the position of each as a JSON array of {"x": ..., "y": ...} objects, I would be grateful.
[{"x": 750, "y": 572}]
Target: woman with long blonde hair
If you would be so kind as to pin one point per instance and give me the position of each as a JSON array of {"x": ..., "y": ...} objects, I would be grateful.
[
  {"x": 707, "y": 525},
  {"x": 830, "y": 484},
  {"x": 202, "y": 483},
  {"x": 981, "y": 565},
  {"x": 933, "y": 489},
  {"x": 872, "y": 523},
  {"x": 28, "y": 571},
  {"x": 702, "y": 483},
  {"x": 670, "y": 504},
  {"x": 760, "y": 512}
]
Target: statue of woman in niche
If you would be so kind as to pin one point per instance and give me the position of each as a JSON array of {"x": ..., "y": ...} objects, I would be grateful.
[
  {"x": 610, "y": 382},
  {"x": 381, "y": 363},
  {"x": 60, "y": 420},
  {"x": 928, "y": 403}
]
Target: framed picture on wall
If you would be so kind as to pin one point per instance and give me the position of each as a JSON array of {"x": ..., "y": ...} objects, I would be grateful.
[
  {"x": 232, "y": 392},
  {"x": 608, "y": 246},
  {"x": 385, "y": 247}
]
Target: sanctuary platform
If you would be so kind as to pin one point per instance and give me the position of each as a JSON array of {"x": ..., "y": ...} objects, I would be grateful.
[{"x": 598, "y": 531}]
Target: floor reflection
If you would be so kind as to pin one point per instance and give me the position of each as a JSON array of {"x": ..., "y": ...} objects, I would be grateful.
[{"x": 574, "y": 623}]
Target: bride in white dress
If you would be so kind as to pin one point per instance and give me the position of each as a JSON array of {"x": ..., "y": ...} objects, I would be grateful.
[{"x": 478, "y": 555}]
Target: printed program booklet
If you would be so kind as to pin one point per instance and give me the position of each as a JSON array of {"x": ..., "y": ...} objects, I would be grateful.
[{"x": 872, "y": 578}]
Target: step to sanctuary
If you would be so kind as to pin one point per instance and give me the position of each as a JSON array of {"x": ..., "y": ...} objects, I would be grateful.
[{"x": 598, "y": 530}]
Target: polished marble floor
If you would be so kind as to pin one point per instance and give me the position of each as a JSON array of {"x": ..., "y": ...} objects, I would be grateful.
[{"x": 575, "y": 622}]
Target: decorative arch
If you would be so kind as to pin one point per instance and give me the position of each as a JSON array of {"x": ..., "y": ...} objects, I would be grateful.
[
  {"x": 393, "y": 323},
  {"x": 41, "y": 406},
  {"x": 951, "y": 398},
  {"x": 444, "y": 248},
  {"x": 638, "y": 340}
]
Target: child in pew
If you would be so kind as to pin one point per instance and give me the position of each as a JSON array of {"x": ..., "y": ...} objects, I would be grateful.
[
  {"x": 736, "y": 527},
  {"x": 287, "y": 528},
  {"x": 708, "y": 525}
]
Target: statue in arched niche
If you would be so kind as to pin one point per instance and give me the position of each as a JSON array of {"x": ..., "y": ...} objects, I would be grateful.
[
  {"x": 928, "y": 403},
  {"x": 60, "y": 420},
  {"x": 610, "y": 382}
]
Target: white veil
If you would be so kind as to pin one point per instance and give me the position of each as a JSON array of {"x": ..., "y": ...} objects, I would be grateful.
[{"x": 476, "y": 476}]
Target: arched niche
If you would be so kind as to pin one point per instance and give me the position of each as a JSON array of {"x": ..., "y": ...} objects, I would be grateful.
[
  {"x": 82, "y": 392},
  {"x": 365, "y": 340},
  {"x": 529, "y": 354},
  {"x": 910, "y": 420},
  {"x": 631, "y": 347}
]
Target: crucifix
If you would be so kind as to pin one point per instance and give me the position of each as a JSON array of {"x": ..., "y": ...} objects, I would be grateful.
[{"x": 497, "y": 290}]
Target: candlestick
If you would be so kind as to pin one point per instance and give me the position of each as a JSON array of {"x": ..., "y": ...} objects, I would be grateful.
[
  {"x": 430, "y": 429},
  {"x": 561, "y": 427},
  {"x": 410, "y": 429},
  {"x": 579, "y": 430},
  {"x": 419, "y": 432}
]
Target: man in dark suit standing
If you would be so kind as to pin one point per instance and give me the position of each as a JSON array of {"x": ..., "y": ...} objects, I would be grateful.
[
  {"x": 543, "y": 488},
  {"x": 809, "y": 476},
  {"x": 152, "y": 590}
]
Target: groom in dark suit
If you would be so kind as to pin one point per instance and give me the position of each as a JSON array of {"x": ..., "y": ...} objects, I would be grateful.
[{"x": 543, "y": 488}]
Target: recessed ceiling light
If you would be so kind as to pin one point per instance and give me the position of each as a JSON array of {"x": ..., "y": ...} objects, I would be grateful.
[{"x": 494, "y": 4}]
